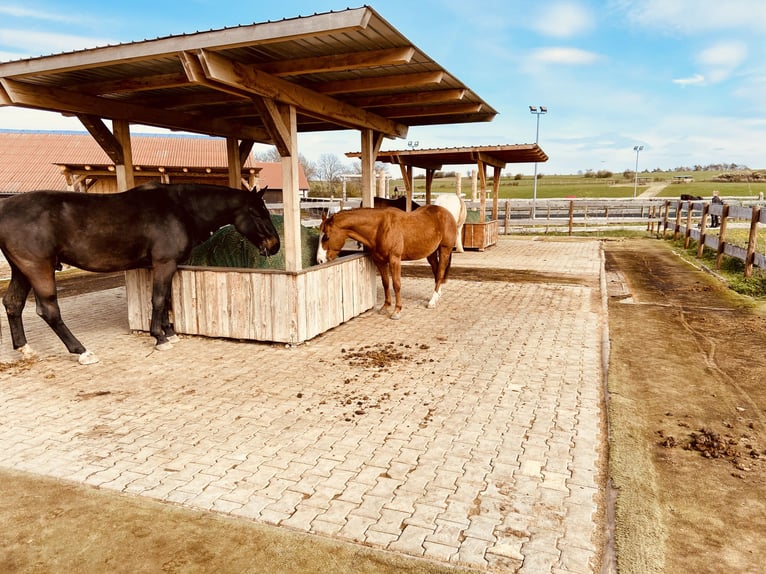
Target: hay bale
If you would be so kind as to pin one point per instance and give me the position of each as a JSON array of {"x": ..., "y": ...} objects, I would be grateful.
[{"x": 228, "y": 248}]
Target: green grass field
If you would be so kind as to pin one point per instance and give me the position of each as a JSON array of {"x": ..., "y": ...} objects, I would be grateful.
[{"x": 561, "y": 186}]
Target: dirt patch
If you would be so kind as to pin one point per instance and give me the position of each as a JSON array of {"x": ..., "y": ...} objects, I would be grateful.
[
  {"x": 49, "y": 526},
  {"x": 687, "y": 416}
]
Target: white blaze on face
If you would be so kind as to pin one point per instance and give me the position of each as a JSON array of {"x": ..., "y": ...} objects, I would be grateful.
[{"x": 321, "y": 253}]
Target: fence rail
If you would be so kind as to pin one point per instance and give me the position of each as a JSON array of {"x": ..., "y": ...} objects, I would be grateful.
[{"x": 661, "y": 216}]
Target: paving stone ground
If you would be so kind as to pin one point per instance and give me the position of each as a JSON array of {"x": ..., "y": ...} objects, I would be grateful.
[{"x": 478, "y": 441}]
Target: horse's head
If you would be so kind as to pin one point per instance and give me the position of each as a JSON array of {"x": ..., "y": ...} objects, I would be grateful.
[
  {"x": 254, "y": 222},
  {"x": 331, "y": 240}
]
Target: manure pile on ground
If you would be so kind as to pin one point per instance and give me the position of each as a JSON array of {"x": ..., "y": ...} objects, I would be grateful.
[{"x": 228, "y": 248}]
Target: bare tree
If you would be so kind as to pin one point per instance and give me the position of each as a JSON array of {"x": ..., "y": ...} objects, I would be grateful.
[
  {"x": 272, "y": 156},
  {"x": 329, "y": 170}
]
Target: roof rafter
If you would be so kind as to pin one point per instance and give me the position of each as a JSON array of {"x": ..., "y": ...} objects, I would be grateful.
[
  {"x": 70, "y": 102},
  {"x": 334, "y": 62},
  {"x": 249, "y": 80}
]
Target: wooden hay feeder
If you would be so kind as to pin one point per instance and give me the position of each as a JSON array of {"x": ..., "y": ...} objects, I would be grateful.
[{"x": 259, "y": 304}]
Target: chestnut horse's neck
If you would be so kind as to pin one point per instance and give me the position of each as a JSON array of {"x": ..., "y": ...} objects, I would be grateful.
[{"x": 360, "y": 224}]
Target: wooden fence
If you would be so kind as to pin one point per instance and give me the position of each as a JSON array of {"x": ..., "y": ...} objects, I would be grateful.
[
  {"x": 660, "y": 216},
  {"x": 690, "y": 220}
]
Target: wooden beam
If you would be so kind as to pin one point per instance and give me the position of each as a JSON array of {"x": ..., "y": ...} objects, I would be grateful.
[
  {"x": 380, "y": 83},
  {"x": 67, "y": 101},
  {"x": 275, "y": 124},
  {"x": 137, "y": 84},
  {"x": 234, "y": 164},
  {"x": 252, "y": 81},
  {"x": 410, "y": 98},
  {"x": 104, "y": 137},
  {"x": 487, "y": 158},
  {"x": 245, "y": 148},
  {"x": 422, "y": 111},
  {"x": 339, "y": 62}
]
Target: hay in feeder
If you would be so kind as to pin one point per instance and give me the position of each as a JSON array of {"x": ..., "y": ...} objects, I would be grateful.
[{"x": 228, "y": 248}]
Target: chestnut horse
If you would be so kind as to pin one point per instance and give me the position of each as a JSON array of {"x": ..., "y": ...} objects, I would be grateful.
[
  {"x": 153, "y": 225},
  {"x": 393, "y": 236}
]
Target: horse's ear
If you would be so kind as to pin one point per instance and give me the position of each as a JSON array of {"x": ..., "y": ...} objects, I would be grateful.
[{"x": 261, "y": 192}]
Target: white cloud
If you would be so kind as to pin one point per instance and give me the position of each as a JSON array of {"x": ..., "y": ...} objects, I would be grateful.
[
  {"x": 563, "y": 20},
  {"x": 31, "y": 43},
  {"x": 23, "y": 12},
  {"x": 721, "y": 59},
  {"x": 563, "y": 55},
  {"x": 695, "y": 79},
  {"x": 694, "y": 16}
]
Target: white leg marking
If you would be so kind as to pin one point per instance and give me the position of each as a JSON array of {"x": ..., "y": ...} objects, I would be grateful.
[
  {"x": 433, "y": 301},
  {"x": 173, "y": 339},
  {"x": 87, "y": 358},
  {"x": 27, "y": 352},
  {"x": 166, "y": 346}
]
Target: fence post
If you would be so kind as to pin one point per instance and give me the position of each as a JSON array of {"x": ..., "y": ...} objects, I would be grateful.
[
  {"x": 722, "y": 236},
  {"x": 665, "y": 219},
  {"x": 703, "y": 228},
  {"x": 678, "y": 219},
  {"x": 507, "y": 222},
  {"x": 752, "y": 240},
  {"x": 688, "y": 232},
  {"x": 571, "y": 215}
]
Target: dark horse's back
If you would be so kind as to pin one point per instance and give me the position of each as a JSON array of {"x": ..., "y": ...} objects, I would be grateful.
[{"x": 111, "y": 232}]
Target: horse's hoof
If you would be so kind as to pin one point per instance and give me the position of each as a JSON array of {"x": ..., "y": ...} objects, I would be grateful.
[
  {"x": 87, "y": 358},
  {"x": 166, "y": 346},
  {"x": 383, "y": 310},
  {"x": 396, "y": 316},
  {"x": 27, "y": 352},
  {"x": 173, "y": 339}
]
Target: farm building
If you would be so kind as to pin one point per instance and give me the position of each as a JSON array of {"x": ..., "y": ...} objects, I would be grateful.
[{"x": 76, "y": 162}]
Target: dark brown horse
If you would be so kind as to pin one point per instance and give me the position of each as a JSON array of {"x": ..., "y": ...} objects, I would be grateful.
[
  {"x": 153, "y": 225},
  {"x": 393, "y": 236},
  {"x": 399, "y": 203}
]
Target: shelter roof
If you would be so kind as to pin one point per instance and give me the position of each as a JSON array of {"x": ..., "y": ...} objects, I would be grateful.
[
  {"x": 435, "y": 158},
  {"x": 33, "y": 160},
  {"x": 344, "y": 69}
]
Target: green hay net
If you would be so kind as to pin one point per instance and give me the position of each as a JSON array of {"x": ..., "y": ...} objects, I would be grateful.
[{"x": 228, "y": 248}]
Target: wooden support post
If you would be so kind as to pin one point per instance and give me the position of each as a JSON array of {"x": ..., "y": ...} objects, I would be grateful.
[
  {"x": 507, "y": 222},
  {"x": 124, "y": 171},
  {"x": 751, "y": 242},
  {"x": 665, "y": 218},
  {"x": 290, "y": 192},
  {"x": 429, "y": 182},
  {"x": 722, "y": 236},
  {"x": 688, "y": 233},
  {"x": 235, "y": 163},
  {"x": 703, "y": 228},
  {"x": 482, "y": 191},
  {"x": 495, "y": 191},
  {"x": 474, "y": 176},
  {"x": 571, "y": 215},
  {"x": 677, "y": 230}
]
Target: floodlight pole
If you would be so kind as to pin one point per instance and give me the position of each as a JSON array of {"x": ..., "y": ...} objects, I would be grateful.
[
  {"x": 538, "y": 112},
  {"x": 636, "y": 149}
]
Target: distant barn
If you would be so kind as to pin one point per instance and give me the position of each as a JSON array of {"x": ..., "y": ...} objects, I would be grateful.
[{"x": 70, "y": 161}]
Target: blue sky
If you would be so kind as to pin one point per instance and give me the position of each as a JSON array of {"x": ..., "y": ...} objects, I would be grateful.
[{"x": 684, "y": 78}]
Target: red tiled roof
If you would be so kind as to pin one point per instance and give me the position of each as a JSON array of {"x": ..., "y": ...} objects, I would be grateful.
[{"x": 28, "y": 159}]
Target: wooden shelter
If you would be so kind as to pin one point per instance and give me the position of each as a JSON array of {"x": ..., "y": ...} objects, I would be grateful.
[
  {"x": 478, "y": 235},
  {"x": 263, "y": 82}
]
